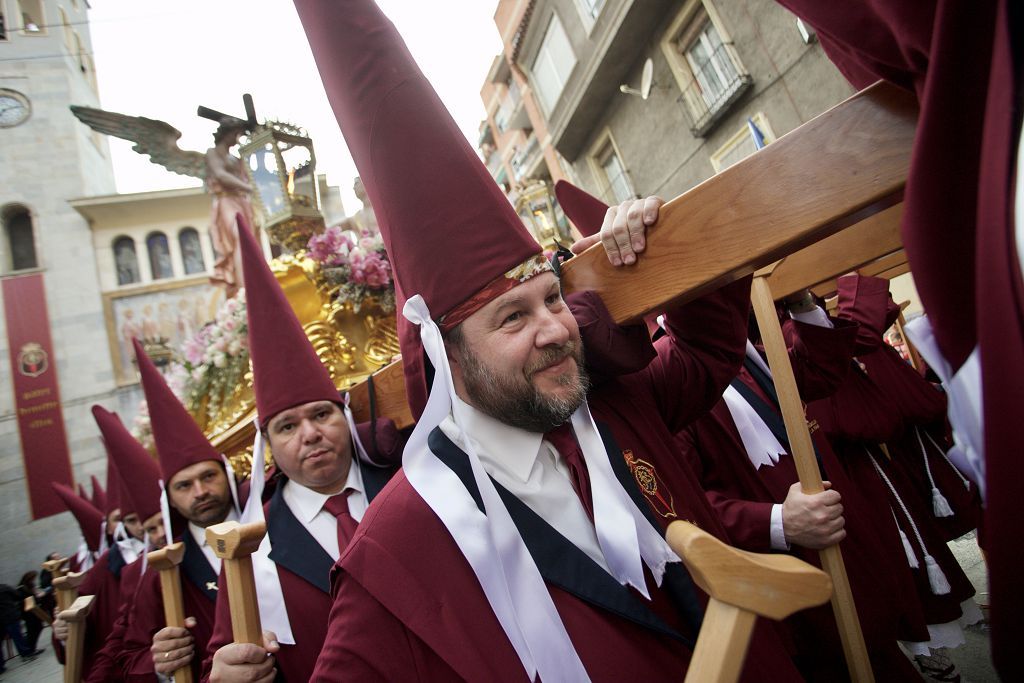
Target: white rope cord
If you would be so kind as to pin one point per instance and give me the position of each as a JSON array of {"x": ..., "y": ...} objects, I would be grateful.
[
  {"x": 936, "y": 578},
  {"x": 942, "y": 452},
  {"x": 940, "y": 506}
]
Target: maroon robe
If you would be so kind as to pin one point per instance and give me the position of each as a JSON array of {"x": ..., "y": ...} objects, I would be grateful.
[
  {"x": 103, "y": 581},
  {"x": 439, "y": 626},
  {"x": 743, "y": 497},
  {"x": 958, "y": 222},
  {"x": 199, "y": 594}
]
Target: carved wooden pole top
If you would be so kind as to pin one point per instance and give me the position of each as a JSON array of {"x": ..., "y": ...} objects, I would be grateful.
[
  {"x": 79, "y": 609},
  {"x": 168, "y": 557},
  {"x": 232, "y": 541}
]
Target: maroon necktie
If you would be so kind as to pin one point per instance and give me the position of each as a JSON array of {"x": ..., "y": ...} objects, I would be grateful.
[
  {"x": 338, "y": 506},
  {"x": 565, "y": 443}
]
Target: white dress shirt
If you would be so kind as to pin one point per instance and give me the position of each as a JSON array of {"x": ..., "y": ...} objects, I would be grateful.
[
  {"x": 533, "y": 471},
  {"x": 308, "y": 507},
  {"x": 199, "y": 535}
]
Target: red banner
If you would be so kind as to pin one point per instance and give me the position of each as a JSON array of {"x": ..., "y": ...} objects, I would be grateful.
[{"x": 44, "y": 445}]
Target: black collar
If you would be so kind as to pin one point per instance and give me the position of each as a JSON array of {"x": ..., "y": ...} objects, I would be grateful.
[
  {"x": 115, "y": 560},
  {"x": 197, "y": 568},
  {"x": 563, "y": 564}
]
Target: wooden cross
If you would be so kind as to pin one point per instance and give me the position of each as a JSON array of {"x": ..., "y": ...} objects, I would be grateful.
[
  {"x": 58, "y": 567},
  {"x": 66, "y": 588},
  {"x": 235, "y": 543},
  {"x": 166, "y": 561},
  {"x": 75, "y": 616}
]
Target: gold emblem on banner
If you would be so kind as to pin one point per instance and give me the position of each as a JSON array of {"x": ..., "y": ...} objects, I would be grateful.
[
  {"x": 647, "y": 478},
  {"x": 32, "y": 360}
]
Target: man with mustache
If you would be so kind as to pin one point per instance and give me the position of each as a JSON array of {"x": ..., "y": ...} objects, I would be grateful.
[
  {"x": 199, "y": 494},
  {"x": 326, "y": 480},
  {"x": 516, "y": 542}
]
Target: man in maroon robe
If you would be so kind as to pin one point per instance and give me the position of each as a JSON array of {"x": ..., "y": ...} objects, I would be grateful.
[
  {"x": 326, "y": 481},
  {"x": 513, "y": 544},
  {"x": 198, "y": 490},
  {"x": 140, "y": 477},
  {"x": 961, "y": 229}
]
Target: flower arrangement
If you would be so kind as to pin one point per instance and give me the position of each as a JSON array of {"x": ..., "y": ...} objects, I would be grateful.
[
  {"x": 215, "y": 359},
  {"x": 141, "y": 429},
  {"x": 356, "y": 268}
]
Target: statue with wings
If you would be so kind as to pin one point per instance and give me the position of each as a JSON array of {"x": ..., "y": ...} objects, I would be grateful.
[{"x": 224, "y": 174}]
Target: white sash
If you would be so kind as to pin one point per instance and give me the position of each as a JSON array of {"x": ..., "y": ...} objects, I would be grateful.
[{"x": 758, "y": 440}]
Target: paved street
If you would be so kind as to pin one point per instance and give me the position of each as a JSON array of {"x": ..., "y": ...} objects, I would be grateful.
[{"x": 43, "y": 669}]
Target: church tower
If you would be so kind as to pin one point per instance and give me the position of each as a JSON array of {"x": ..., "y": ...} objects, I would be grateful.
[{"x": 52, "y": 334}]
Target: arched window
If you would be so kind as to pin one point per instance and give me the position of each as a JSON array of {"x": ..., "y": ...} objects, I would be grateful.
[
  {"x": 21, "y": 244},
  {"x": 191, "y": 251},
  {"x": 159, "y": 256},
  {"x": 126, "y": 261}
]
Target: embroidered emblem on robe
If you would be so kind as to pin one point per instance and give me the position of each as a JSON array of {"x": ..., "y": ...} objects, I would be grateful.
[
  {"x": 211, "y": 585},
  {"x": 650, "y": 483}
]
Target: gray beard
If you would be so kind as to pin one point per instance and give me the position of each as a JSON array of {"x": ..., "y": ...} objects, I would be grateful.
[{"x": 515, "y": 400}]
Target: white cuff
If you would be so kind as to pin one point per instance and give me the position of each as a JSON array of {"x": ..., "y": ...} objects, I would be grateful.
[
  {"x": 778, "y": 535},
  {"x": 816, "y": 317}
]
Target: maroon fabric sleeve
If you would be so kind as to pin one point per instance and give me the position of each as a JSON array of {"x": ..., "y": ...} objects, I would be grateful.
[
  {"x": 820, "y": 356},
  {"x": 865, "y": 300},
  {"x": 702, "y": 352},
  {"x": 611, "y": 350}
]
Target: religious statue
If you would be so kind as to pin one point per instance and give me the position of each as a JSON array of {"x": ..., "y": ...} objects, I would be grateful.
[
  {"x": 224, "y": 174},
  {"x": 364, "y": 222}
]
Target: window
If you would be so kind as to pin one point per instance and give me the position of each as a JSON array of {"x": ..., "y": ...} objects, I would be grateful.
[
  {"x": 126, "y": 261},
  {"x": 191, "y": 251},
  {"x": 742, "y": 143},
  {"x": 553, "y": 64},
  {"x": 590, "y": 8},
  {"x": 69, "y": 40},
  {"x": 33, "y": 21},
  {"x": 20, "y": 238},
  {"x": 159, "y": 256},
  {"x": 704, "y": 64},
  {"x": 610, "y": 172}
]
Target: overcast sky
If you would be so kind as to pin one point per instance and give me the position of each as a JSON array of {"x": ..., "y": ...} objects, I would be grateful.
[{"x": 162, "y": 59}]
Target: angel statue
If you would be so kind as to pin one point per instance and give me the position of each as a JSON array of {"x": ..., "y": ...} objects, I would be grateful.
[{"x": 223, "y": 173}]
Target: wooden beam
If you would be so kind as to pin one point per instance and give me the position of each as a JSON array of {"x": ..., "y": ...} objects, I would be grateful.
[
  {"x": 874, "y": 237},
  {"x": 887, "y": 266},
  {"x": 832, "y": 172}
]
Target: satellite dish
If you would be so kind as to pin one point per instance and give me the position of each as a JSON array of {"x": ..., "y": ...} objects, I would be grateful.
[{"x": 647, "y": 78}]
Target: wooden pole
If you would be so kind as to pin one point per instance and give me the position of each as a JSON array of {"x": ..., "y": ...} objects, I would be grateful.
[
  {"x": 166, "y": 561},
  {"x": 915, "y": 357},
  {"x": 66, "y": 588},
  {"x": 234, "y": 543},
  {"x": 74, "y": 647},
  {"x": 742, "y": 586},
  {"x": 810, "y": 477}
]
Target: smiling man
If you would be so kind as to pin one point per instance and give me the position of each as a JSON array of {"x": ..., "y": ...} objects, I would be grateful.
[
  {"x": 516, "y": 542},
  {"x": 198, "y": 490},
  {"x": 322, "y": 491}
]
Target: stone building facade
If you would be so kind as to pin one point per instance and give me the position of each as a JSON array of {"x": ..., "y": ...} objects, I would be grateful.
[{"x": 714, "y": 65}]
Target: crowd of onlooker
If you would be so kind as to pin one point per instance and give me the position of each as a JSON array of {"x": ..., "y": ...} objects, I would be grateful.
[{"x": 25, "y": 610}]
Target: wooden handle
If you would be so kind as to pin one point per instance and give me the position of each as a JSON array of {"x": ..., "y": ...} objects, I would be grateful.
[
  {"x": 802, "y": 451},
  {"x": 75, "y": 615},
  {"x": 66, "y": 589},
  {"x": 166, "y": 561},
  {"x": 234, "y": 543},
  {"x": 58, "y": 567},
  {"x": 722, "y": 644}
]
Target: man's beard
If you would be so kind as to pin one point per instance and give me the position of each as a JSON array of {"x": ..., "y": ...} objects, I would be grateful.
[
  {"x": 515, "y": 400},
  {"x": 213, "y": 515}
]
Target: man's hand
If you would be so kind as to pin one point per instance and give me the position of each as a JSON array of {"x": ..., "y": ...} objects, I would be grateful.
[
  {"x": 245, "y": 663},
  {"x": 813, "y": 521},
  {"x": 172, "y": 648},
  {"x": 60, "y": 629},
  {"x": 623, "y": 232}
]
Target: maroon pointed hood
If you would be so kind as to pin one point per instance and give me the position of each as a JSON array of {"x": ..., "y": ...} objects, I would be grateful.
[
  {"x": 89, "y": 518},
  {"x": 113, "y": 484},
  {"x": 285, "y": 368},
  {"x": 99, "y": 496},
  {"x": 136, "y": 468},
  {"x": 584, "y": 209},
  {"x": 439, "y": 211},
  {"x": 179, "y": 441}
]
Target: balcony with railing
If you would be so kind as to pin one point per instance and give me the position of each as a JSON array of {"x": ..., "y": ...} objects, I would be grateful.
[
  {"x": 511, "y": 115},
  {"x": 524, "y": 161},
  {"x": 717, "y": 83}
]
